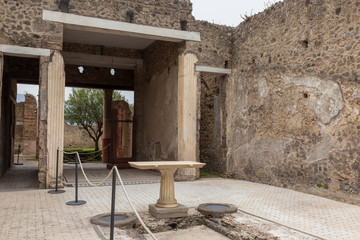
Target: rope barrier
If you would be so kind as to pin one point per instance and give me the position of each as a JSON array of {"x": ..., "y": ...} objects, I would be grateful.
[
  {"x": 87, "y": 179},
  {"x": 123, "y": 187},
  {"x": 132, "y": 206}
]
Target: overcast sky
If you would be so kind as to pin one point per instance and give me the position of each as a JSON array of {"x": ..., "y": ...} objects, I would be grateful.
[{"x": 226, "y": 12}]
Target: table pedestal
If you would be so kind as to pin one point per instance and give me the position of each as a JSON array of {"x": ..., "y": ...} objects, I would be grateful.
[{"x": 167, "y": 192}]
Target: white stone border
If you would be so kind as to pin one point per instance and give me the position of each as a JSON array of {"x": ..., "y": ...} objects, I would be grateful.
[
  {"x": 18, "y": 51},
  {"x": 78, "y": 22},
  {"x": 213, "y": 70}
]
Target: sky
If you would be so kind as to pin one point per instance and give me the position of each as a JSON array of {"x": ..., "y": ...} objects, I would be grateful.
[{"x": 225, "y": 12}]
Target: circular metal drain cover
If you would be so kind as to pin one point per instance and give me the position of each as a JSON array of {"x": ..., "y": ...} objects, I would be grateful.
[
  {"x": 116, "y": 218},
  {"x": 120, "y": 220},
  {"x": 216, "y": 209}
]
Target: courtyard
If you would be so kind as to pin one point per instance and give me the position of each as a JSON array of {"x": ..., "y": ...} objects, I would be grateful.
[{"x": 29, "y": 213}]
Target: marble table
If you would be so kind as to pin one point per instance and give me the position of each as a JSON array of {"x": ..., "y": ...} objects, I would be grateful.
[{"x": 167, "y": 170}]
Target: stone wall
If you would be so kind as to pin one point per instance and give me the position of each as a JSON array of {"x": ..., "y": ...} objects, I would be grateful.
[
  {"x": 22, "y": 24},
  {"x": 19, "y": 128},
  {"x": 213, "y": 122},
  {"x": 26, "y": 125},
  {"x": 293, "y": 97},
  {"x": 75, "y": 137},
  {"x": 30, "y": 125},
  {"x": 160, "y": 13},
  {"x": 216, "y": 44}
]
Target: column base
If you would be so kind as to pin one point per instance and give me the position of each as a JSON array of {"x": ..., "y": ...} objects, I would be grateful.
[
  {"x": 175, "y": 212},
  {"x": 106, "y": 152}
]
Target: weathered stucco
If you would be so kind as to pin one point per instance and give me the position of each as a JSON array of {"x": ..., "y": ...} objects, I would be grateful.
[
  {"x": 159, "y": 104},
  {"x": 292, "y": 100}
]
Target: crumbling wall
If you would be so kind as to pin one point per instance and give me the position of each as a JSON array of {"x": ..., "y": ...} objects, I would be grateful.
[
  {"x": 293, "y": 97},
  {"x": 215, "y": 47},
  {"x": 30, "y": 125},
  {"x": 159, "y": 13},
  {"x": 213, "y": 122},
  {"x": 22, "y": 24},
  {"x": 159, "y": 103},
  {"x": 74, "y": 137},
  {"x": 19, "y": 128}
]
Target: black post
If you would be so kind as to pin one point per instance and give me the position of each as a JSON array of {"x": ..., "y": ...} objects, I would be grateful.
[
  {"x": 76, "y": 202},
  {"x": 18, "y": 152},
  {"x": 108, "y": 150},
  {"x": 113, "y": 205},
  {"x": 57, "y": 176}
]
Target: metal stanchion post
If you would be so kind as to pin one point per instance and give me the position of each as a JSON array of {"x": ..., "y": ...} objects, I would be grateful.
[
  {"x": 76, "y": 202},
  {"x": 18, "y": 152},
  {"x": 56, "y": 191},
  {"x": 113, "y": 205}
]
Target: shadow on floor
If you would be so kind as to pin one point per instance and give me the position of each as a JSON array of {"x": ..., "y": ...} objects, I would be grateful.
[{"x": 20, "y": 177}]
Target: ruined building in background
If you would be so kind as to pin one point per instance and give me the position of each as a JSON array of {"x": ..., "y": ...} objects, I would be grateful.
[
  {"x": 26, "y": 125},
  {"x": 274, "y": 100}
]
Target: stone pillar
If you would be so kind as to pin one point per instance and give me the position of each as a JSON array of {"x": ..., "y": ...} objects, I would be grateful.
[
  {"x": 51, "y": 118},
  {"x": 138, "y": 109},
  {"x": 2, "y": 170},
  {"x": 1, "y": 81},
  {"x": 188, "y": 115},
  {"x": 107, "y": 125}
]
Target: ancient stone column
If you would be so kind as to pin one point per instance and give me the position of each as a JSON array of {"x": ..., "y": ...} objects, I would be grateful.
[
  {"x": 1, "y": 120},
  {"x": 51, "y": 118},
  {"x": 188, "y": 115},
  {"x": 138, "y": 108},
  {"x": 1, "y": 81},
  {"x": 107, "y": 125}
]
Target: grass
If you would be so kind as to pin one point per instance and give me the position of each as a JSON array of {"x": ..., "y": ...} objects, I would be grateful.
[
  {"x": 79, "y": 149},
  {"x": 90, "y": 154},
  {"x": 325, "y": 186},
  {"x": 32, "y": 159},
  {"x": 205, "y": 173}
]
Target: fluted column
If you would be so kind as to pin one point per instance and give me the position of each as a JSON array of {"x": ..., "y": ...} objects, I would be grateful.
[
  {"x": 188, "y": 115},
  {"x": 167, "y": 190},
  {"x": 51, "y": 118}
]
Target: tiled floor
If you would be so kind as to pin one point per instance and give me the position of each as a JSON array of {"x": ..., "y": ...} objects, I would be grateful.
[
  {"x": 35, "y": 214},
  {"x": 20, "y": 177}
]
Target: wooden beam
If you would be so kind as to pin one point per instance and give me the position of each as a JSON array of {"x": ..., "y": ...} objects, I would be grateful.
[
  {"x": 95, "y": 77},
  {"x": 91, "y": 60}
]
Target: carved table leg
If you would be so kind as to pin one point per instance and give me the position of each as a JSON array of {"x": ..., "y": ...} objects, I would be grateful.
[{"x": 167, "y": 191}]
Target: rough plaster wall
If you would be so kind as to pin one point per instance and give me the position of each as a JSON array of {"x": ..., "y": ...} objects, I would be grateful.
[
  {"x": 213, "y": 121},
  {"x": 22, "y": 24},
  {"x": 293, "y": 99},
  {"x": 159, "y": 103}
]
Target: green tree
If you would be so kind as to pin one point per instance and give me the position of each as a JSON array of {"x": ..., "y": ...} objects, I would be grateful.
[{"x": 84, "y": 108}]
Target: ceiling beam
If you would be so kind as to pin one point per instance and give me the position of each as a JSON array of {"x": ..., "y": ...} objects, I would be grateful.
[
  {"x": 91, "y": 60},
  {"x": 19, "y": 51},
  {"x": 83, "y": 23}
]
